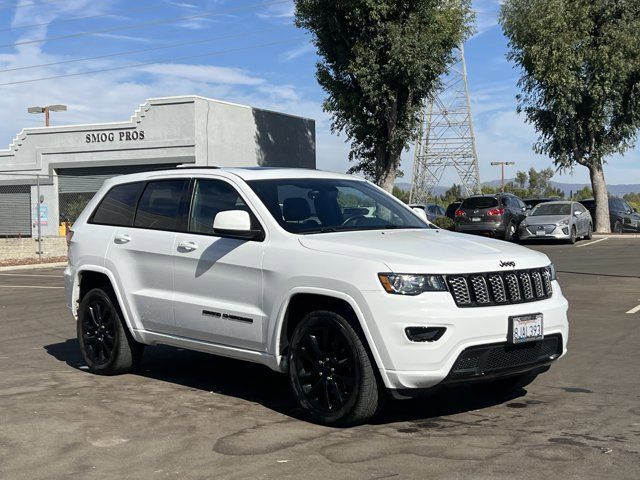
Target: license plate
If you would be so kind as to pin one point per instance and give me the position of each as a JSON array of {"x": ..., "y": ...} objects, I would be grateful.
[
  {"x": 540, "y": 233},
  {"x": 526, "y": 328},
  {"x": 475, "y": 219}
]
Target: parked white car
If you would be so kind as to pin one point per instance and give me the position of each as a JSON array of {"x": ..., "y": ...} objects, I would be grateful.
[{"x": 321, "y": 276}]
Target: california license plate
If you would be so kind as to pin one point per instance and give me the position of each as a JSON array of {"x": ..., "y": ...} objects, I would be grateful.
[
  {"x": 526, "y": 328},
  {"x": 475, "y": 219}
]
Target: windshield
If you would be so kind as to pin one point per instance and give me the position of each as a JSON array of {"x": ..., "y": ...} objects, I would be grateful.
[
  {"x": 552, "y": 209},
  {"x": 329, "y": 205}
]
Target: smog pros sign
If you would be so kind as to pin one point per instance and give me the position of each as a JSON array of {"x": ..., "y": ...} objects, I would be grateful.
[{"x": 121, "y": 136}]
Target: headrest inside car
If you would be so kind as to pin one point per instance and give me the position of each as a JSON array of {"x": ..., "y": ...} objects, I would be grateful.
[{"x": 295, "y": 209}]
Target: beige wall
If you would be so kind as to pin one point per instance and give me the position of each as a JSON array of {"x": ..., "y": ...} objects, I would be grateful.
[{"x": 21, "y": 248}]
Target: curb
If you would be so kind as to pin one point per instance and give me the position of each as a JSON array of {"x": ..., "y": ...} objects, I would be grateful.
[
  {"x": 34, "y": 266},
  {"x": 616, "y": 235}
]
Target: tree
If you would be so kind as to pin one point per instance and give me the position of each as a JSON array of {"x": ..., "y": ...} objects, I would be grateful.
[
  {"x": 583, "y": 194},
  {"x": 452, "y": 194},
  {"x": 580, "y": 80},
  {"x": 401, "y": 194},
  {"x": 378, "y": 60}
]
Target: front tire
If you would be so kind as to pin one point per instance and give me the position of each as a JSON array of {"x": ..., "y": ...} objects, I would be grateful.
[
  {"x": 331, "y": 375},
  {"x": 573, "y": 236},
  {"x": 106, "y": 345},
  {"x": 617, "y": 227}
]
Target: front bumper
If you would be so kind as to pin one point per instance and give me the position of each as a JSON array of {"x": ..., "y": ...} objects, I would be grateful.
[
  {"x": 559, "y": 233},
  {"x": 418, "y": 365}
]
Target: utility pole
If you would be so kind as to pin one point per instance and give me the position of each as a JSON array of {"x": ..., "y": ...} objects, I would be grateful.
[
  {"x": 446, "y": 137},
  {"x": 502, "y": 165},
  {"x": 46, "y": 110}
]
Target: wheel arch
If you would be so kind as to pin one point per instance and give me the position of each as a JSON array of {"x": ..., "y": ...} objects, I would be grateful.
[
  {"x": 97, "y": 276},
  {"x": 300, "y": 301}
]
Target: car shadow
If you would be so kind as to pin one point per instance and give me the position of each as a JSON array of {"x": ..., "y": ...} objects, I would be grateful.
[{"x": 258, "y": 384}]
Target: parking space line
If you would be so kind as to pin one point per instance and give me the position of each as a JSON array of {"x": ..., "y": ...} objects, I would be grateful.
[
  {"x": 26, "y": 286},
  {"x": 591, "y": 243},
  {"x": 28, "y": 275},
  {"x": 635, "y": 309}
]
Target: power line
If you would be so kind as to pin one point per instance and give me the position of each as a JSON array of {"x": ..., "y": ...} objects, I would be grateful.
[
  {"x": 72, "y": 19},
  {"x": 144, "y": 24},
  {"x": 143, "y": 50},
  {"x": 145, "y": 64}
]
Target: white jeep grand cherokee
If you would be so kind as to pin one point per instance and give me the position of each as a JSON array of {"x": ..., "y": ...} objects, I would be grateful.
[{"x": 322, "y": 276}]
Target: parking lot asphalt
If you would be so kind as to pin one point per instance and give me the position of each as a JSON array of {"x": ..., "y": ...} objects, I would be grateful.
[{"x": 189, "y": 415}]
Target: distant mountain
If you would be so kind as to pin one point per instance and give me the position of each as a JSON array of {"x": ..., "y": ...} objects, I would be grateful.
[{"x": 567, "y": 188}]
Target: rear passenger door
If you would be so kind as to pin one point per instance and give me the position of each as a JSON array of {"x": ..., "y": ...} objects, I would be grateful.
[
  {"x": 140, "y": 254},
  {"x": 218, "y": 280}
]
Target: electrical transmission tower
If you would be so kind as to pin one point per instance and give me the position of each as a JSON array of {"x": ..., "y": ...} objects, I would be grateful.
[{"x": 446, "y": 137}]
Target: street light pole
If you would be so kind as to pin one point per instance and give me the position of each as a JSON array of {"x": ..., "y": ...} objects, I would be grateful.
[
  {"x": 46, "y": 110},
  {"x": 502, "y": 165}
]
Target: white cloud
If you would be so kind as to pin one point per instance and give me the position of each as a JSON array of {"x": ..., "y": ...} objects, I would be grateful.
[
  {"x": 280, "y": 11},
  {"x": 297, "y": 52},
  {"x": 204, "y": 73}
]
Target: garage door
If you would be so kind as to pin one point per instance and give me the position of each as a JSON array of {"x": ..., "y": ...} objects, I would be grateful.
[
  {"x": 15, "y": 210},
  {"x": 83, "y": 180}
]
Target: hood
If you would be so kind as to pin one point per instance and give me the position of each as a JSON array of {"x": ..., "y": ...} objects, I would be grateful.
[
  {"x": 427, "y": 250},
  {"x": 545, "y": 219}
]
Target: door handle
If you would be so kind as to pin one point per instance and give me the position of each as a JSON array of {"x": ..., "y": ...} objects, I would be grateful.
[
  {"x": 122, "y": 238},
  {"x": 187, "y": 246}
]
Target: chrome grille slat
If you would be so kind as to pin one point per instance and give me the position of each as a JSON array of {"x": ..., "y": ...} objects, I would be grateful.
[{"x": 500, "y": 288}]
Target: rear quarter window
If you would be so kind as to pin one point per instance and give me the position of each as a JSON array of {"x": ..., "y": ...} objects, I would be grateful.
[
  {"x": 480, "y": 202},
  {"x": 118, "y": 205}
]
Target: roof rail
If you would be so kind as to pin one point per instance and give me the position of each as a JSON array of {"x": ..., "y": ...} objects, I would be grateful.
[{"x": 197, "y": 166}]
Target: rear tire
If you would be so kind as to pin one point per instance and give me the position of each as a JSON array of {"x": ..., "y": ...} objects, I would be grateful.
[
  {"x": 106, "y": 344},
  {"x": 331, "y": 374},
  {"x": 510, "y": 233}
]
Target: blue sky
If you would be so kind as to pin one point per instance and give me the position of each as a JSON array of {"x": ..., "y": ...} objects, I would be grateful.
[{"x": 247, "y": 51}]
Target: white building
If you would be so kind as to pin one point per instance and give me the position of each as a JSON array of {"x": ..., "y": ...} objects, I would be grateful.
[{"x": 73, "y": 161}]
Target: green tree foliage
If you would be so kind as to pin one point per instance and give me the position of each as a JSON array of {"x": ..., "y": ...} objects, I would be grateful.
[
  {"x": 583, "y": 194},
  {"x": 633, "y": 199},
  {"x": 378, "y": 60},
  {"x": 531, "y": 184},
  {"x": 580, "y": 80},
  {"x": 452, "y": 194},
  {"x": 401, "y": 194}
]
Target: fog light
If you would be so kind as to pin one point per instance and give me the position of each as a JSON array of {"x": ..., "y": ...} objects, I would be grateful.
[{"x": 424, "y": 334}]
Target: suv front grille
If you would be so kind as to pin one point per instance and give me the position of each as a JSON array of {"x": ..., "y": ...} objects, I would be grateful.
[{"x": 500, "y": 288}]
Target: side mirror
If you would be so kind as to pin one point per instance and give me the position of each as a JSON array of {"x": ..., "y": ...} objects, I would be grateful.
[
  {"x": 577, "y": 213},
  {"x": 420, "y": 212},
  {"x": 234, "y": 223}
]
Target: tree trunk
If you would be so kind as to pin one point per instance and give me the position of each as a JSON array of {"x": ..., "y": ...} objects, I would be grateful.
[
  {"x": 387, "y": 171},
  {"x": 599, "y": 186}
]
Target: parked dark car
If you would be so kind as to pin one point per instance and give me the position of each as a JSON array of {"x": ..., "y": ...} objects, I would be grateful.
[
  {"x": 532, "y": 202},
  {"x": 623, "y": 217},
  {"x": 432, "y": 210},
  {"x": 450, "y": 212},
  {"x": 495, "y": 215}
]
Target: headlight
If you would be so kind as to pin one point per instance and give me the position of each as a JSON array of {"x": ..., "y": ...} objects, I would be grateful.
[
  {"x": 563, "y": 223},
  {"x": 408, "y": 284},
  {"x": 552, "y": 271}
]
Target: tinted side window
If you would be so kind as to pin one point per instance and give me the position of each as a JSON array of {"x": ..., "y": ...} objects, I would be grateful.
[
  {"x": 118, "y": 205},
  {"x": 210, "y": 198},
  {"x": 480, "y": 202},
  {"x": 509, "y": 202},
  {"x": 160, "y": 205}
]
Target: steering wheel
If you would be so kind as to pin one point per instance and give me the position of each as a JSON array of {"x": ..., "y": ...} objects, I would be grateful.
[{"x": 352, "y": 218}]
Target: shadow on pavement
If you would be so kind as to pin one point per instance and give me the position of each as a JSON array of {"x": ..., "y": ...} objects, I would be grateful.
[{"x": 257, "y": 383}]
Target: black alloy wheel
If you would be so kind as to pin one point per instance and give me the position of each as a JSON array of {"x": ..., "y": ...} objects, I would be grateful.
[
  {"x": 105, "y": 343},
  {"x": 510, "y": 233},
  {"x": 99, "y": 333},
  {"x": 330, "y": 371}
]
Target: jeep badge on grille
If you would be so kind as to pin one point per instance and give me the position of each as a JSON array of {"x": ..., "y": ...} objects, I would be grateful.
[{"x": 507, "y": 264}]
